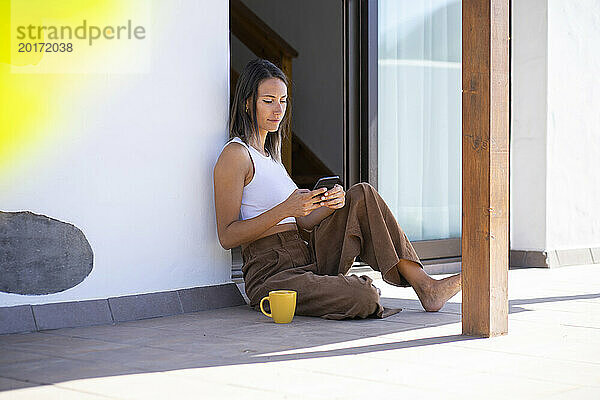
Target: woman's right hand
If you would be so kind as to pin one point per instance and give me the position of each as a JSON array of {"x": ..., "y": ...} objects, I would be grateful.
[{"x": 303, "y": 201}]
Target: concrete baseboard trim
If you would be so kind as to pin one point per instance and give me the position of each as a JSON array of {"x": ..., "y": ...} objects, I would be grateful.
[
  {"x": 554, "y": 258},
  {"x": 37, "y": 317}
]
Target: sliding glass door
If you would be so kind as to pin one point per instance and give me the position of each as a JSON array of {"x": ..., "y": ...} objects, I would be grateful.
[{"x": 419, "y": 120}]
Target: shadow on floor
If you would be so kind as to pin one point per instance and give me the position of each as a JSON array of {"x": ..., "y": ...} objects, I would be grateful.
[
  {"x": 554, "y": 299},
  {"x": 220, "y": 337},
  {"x": 455, "y": 308}
]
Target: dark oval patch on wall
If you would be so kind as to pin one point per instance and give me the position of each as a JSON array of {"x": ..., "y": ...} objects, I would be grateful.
[{"x": 41, "y": 255}]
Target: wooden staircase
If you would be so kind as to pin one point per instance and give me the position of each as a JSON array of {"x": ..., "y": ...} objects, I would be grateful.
[
  {"x": 265, "y": 43},
  {"x": 307, "y": 168}
]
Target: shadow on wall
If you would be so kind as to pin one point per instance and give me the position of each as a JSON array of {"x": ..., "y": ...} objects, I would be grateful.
[{"x": 41, "y": 255}]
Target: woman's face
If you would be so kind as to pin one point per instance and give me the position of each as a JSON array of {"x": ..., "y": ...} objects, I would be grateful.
[{"x": 270, "y": 104}]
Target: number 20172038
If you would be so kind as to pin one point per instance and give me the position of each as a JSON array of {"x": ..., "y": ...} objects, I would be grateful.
[{"x": 42, "y": 47}]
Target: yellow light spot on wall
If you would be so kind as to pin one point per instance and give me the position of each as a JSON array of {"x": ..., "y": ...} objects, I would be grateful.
[{"x": 35, "y": 106}]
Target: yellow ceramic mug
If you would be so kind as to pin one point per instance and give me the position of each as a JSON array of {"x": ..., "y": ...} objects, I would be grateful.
[{"x": 283, "y": 305}]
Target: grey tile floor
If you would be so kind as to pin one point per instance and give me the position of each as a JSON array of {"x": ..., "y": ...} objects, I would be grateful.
[{"x": 552, "y": 351}]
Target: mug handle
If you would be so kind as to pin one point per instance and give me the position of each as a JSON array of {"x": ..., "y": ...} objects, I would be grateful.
[{"x": 262, "y": 309}]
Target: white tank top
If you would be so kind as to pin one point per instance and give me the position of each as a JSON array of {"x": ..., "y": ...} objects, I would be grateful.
[{"x": 270, "y": 185}]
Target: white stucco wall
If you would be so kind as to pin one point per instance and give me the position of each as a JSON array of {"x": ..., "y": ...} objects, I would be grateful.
[
  {"x": 573, "y": 124},
  {"x": 133, "y": 168},
  {"x": 528, "y": 125},
  {"x": 555, "y": 168}
]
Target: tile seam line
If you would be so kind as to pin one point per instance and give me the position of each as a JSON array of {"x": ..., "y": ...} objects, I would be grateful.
[
  {"x": 52, "y": 358},
  {"x": 112, "y": 317},
  {"x": 354, "y": 378},
  {"x": 527, "y": 355},
  {"x": 57, "y": 385}
]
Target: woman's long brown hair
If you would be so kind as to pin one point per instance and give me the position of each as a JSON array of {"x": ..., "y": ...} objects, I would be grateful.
[{"x": 244, "y": 124}]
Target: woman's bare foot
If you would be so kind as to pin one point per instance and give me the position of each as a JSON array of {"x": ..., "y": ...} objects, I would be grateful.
[{"x": 434, "y": 293}]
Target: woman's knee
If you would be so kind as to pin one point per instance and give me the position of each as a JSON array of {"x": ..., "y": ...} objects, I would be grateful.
[
  {"x": 360, "y": 186},
  {"x": 359, "y": 189}
]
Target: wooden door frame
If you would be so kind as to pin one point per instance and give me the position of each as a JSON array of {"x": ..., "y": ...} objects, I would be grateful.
[
  {"x": 359, "y": 23},
  {"x": 485, "y": 145},
  {"x": 353, "y": 151},
  {"x": 430, "y": 251}
]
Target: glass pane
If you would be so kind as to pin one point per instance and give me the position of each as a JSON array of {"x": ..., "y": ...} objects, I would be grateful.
[{"x": 419, "y": 115}]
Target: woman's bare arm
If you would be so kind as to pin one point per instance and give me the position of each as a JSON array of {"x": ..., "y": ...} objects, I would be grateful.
[
  {"x": 229, "y": 173},
  {"x": 309, "y": 221}
]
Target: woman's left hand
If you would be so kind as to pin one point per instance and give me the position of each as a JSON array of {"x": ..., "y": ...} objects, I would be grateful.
[{"x": 334, "y": 198}]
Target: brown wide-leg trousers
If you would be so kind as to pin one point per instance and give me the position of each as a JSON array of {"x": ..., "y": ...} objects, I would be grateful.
[{"x": 316, "y": 270}]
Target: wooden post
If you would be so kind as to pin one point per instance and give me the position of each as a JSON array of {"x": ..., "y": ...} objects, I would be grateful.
[{"x": 485, "y": 176}]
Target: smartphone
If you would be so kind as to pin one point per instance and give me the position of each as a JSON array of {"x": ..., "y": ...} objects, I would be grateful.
[{"x": 328, "y": 182}]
